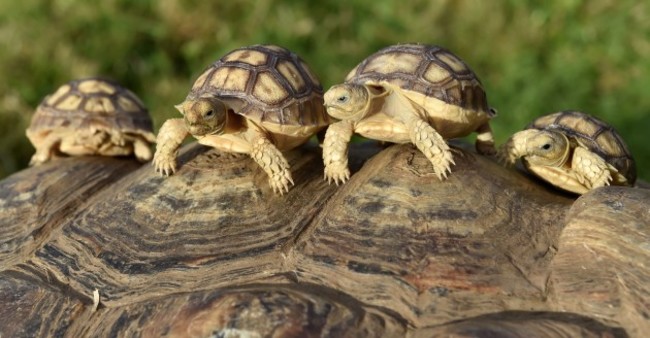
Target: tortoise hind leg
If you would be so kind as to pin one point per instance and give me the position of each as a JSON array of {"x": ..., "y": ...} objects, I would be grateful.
[{"x": 142, "y": 149}]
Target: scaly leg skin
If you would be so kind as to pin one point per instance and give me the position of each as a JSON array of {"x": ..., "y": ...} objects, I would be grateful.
[
  {"x": 141, "y": 149},
  {"x": 45, "y": 149},
  {"x": 118, "y": 138},
  {"x": 273, "y": 163},
  {"x": 170, "y": 137},
  {"x": 506, "y": 154},
  {"x": 590, "y": 169},
  {"x": 515, "y": 147},
  {"x": 107, "y": 143},
  {"x": 485, "y": 140},
  {"x": 432, "y": 145},
  {"x": 93, "y": 139},
  {"x": 335, "y": 152}
]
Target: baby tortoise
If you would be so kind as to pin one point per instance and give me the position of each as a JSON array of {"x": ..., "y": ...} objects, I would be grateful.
[
  {"x": 258, "y": 100},
  {"x": 407, "y": 93},
  {"x": 573, "y": 151},
  {"x": 91, "y": 116}
]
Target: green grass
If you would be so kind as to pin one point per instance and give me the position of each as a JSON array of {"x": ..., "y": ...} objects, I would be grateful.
[{"x": 533, "y": 57}]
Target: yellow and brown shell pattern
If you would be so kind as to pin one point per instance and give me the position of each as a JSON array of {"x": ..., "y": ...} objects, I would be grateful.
[
  {"x": 430, "y": 70},
  {"x": 594, "y": 134},
  {"x": 268, "y": 84},
  {"x": 93, "y": 103}
]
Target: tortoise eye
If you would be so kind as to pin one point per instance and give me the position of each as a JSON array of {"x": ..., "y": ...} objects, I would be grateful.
[
  {"x": 343, "y": 99},
  {"x": 546, "y": 146},
  {"x": 209, "y": 113}
]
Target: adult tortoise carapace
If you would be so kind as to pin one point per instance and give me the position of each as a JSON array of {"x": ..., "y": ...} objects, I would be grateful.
[
  {"x": 103, "y": 247},
  {"x": 91, "y": 116},
  {"x": 572, "y": 150},
  {"x": 258, "y": 100},
  {"x": 407, "y": 93}
]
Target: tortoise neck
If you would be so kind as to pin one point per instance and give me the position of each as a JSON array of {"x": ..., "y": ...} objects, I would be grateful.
[{"x": 234, "y": 122}]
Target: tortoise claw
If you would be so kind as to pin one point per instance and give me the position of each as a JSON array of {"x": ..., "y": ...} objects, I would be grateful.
[
  {"x": 281, "y": 182},
  {"x": 505, "y": 156},
  {"x": 337, "y": 175},
  {"x": 442, "y": 163},
  {"x": 442, "y": 175},
  {"x": 163, "y": 166}
]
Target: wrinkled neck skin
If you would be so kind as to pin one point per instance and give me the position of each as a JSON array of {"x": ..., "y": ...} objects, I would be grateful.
[
  {"x": 530, "y": 144},
  {"x": 374, "y": 103}
]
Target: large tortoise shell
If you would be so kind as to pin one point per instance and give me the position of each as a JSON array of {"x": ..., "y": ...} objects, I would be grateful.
[
  {"x": 93, "y": 103},
  {"x": 594, "y": 134},
  {"x": 430, "y": 70},
  {"x": 266, "y": 83}
]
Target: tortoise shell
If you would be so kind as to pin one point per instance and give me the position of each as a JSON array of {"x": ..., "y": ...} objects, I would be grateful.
[
  {"x": 93, "y": 103},
  {"x": 103, "y": 247},
  {"x": 594, "y": 134},
  {"x": 429, "y": 70},
  {"x": 265, "y": 83}
]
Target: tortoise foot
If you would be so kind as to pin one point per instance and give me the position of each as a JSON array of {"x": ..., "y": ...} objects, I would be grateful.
[
  {"x": 164, "y": 164},
  {"x": 338, "y": 174}
]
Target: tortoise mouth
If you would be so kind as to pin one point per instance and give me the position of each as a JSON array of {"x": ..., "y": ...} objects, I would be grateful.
[
  {"x": 341, "y": 114},
  {"x": 205, "y": 128},
  {"x": 200, "y": 131}
]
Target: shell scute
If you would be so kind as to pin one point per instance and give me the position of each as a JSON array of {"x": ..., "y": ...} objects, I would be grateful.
[
  {"x": 429, "y": 70},
  {"x": 593, "y": 134},
  {"x": 92, "y": 102},
  {"x": 272, "y": 85}
]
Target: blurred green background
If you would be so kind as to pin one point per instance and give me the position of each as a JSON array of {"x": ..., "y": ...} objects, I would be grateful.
[{"x": 533, "y": 57}]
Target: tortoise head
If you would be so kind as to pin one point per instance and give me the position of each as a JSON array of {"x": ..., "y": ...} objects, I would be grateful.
[
  {"x": 350, "y": 101},
  {"x": 204, "y": 116},
  {"x": 541, "y": 147}
]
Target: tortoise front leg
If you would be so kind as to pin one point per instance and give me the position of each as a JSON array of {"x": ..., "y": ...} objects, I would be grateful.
[
  {"x": 335, "y": 151},
  {"x": 118, "y": 138},
  {"x": 45, "y": 149},
  {"x": 432, "y": 145},
  {"x": 142, "y": 149},
  {"x": 93, "y": 139},
  {"x": 515, "y": 147},
  {"x": 109, "y": 142},
  {"x": 273, "y": 163},
  {"x": 170, "y": 137},
  {"x": 590, "y": 169}
]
